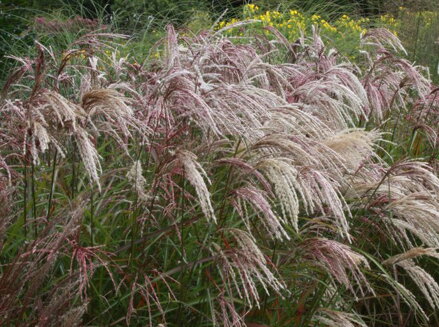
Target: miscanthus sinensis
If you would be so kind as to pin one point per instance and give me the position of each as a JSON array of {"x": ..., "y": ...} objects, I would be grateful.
[{"x": 220, "y": 170}]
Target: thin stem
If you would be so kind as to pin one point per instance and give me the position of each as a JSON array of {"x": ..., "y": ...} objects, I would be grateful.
[
  {"x": 182, "y": 203},
  {"x": 92, "y": 207},
  {"x": 34, "y": 201},
  {"x": 182, "y": 249},
  {"x": 74, "y": 173},
  {"x": 418, "y": 23},
  {"x": 226, "y": 190},
  {"x": 73, "y": 180},
  {"x": 52, "y": 185},
  {"x": 25, "y": 200}
]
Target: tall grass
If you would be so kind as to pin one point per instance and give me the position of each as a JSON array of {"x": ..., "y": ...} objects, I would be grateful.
[
  {"x": 58, "y": 24},
  {"x": 219, "y": 184}
]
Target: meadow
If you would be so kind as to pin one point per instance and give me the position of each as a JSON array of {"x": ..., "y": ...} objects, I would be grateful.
[{"x": 271, "y": 167}]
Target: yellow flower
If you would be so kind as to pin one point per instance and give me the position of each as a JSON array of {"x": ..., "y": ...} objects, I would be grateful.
[
  {"x": 251, "y": 7},
  {"x": 293, "y": 12}
]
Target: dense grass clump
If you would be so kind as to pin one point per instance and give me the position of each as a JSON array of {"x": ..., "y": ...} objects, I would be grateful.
[{"x": 219, "y": 184}]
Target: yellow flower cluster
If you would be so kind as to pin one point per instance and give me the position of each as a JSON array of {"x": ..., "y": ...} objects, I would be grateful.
[
  {"x": 293, "y": 22},
  {"x": 342, "y": 33},
  {"x": 389, "y": 22},
  {"x": 348, "y": 24}
]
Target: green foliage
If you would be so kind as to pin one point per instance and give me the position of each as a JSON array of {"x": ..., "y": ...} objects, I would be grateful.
[
  {"x": 419, "y": 31},
  {"x": 137, "y": 14},
  {"x": 13, "y": 24},
  {"x": 19, "y": 28}
]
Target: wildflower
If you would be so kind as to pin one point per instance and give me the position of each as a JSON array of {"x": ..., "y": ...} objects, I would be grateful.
[{"x": 251, "y": 7}]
